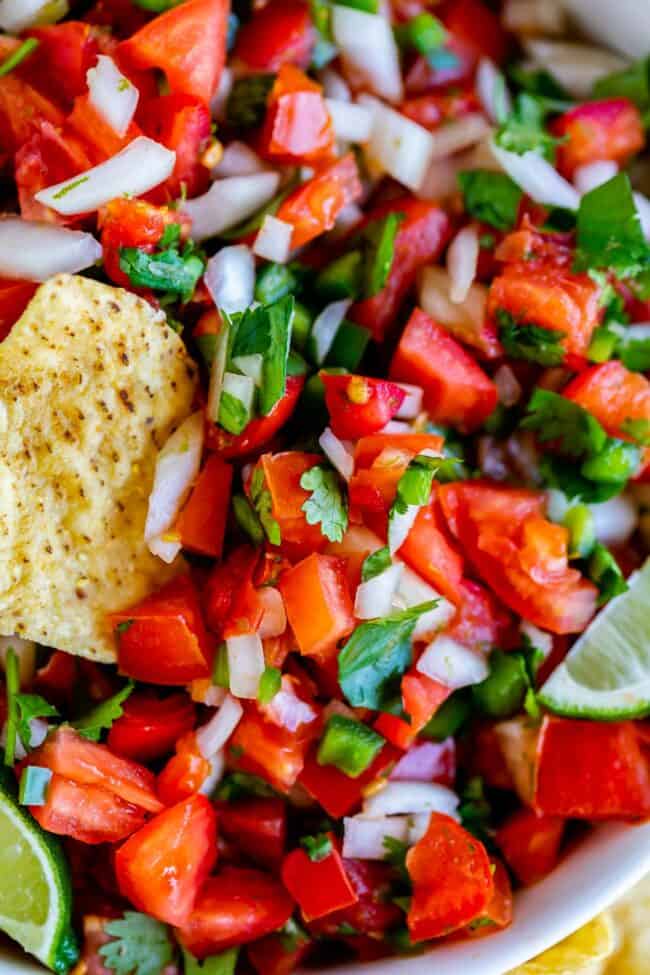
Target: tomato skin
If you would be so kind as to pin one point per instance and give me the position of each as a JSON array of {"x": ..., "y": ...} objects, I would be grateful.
[
  {"x": 298, "y": 127},
  {"x": 275, "y": 754},
  {"x": 45, "y": 159},
  {"x": 14, "y": 298},
  {"x": 260, "y": 430},
  {"x": 161, "y": 868},
  {"x": 431, "y": 110},
  {"x": 281, "y": 33},
  {"x": 477, "y": 27},
  {"x": 420, "y": 240},
  {"x": 336, "y": 792},
  {"x": 181, "y": 122},
  {"x": 313, "y": 207},
  {"x": 530, "y": 844},
  {"x": 358, "y": 405},
  {"x": 456, "y": 390},
  {"x": 121, "y": 16},
  {"x": 166, "y": 643},
  {"x": 22, "y": 108},
  {"x": 452, "y": 879},
  {"x": 499, "y": 909},
  {"x": 606, "y": 776},
  {"x": 319, "y": 887},
  {"x": 430, "y": 551},
  {"x": 87, "y": 813},
  {"x": 149, "y": 726},
  {"x": 131, "y": 223},
  {"x": 187, "y": 42},
  {"x": 65, "y": 53},
  {"x": 320, "y": 583},
  {"x": 368, "y": 449},
  {"x": 481, "y": 621},
  {"x": 224, "y": 581},
  {"x": 271, "y": 956},
  {"x": 202, "y": 522},
  {"x": 184, "y": 773},
  {"x": 610, "y": 129},
  {"x": 612, "y": 394},
  {"x": 373, "y": 914},
  {"x": 421, "y": 698},
  {"x": 99, "y": 139},
  {"x": 258, "y": 827},
  {"x": 234, "y": 906}
]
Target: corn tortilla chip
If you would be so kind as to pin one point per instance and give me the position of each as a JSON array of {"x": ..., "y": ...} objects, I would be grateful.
[
  {"x": 632, "y": 919},
  {"x": 92, "y": 382},
  {"x": 582, "y": 953}
]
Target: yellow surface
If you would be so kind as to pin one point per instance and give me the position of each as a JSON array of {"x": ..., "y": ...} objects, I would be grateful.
[
  {"x": 583, "y": 953},
  {"x": 92, "y": 381}
]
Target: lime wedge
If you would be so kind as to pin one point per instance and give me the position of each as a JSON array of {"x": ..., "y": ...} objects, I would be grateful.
[
  {"x": 606, "y": 675},
  {"x": 35, "y": 888}
]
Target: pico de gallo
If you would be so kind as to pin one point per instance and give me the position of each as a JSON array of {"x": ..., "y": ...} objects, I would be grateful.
[{"x": 408, "y": 250}]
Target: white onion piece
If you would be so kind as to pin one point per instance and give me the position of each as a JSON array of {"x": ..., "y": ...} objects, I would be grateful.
[
  {"x": 463, "y": 319},
  {"x": 588, "y": 177},
  {"x": 423, "y": 762},
  {"x": 230, "y": 278},
  {"x": 238, "y": 160},
  {"x": 623, "y": 26},
  {"x": 518, "y": 743},
  {"x": 25, "y": 651},
  {"x": 615, "y": 520},
  {"x": 411, "y": 797},
  {"x": 211, "y": 737},
  {"x": 398, "y": 427},
  {"x": 352, "y": 123},
  {"x": 325, "y": 327},
  {"x": 274, "y": 617},
  {"x": 399, "y": 526},
  {"x": 287, "y": 709},
  {"x": 492, "y": 90},
  {"x": 348, "y": 218},
  {"x": 363, "y": 836},
  {"x": 369, "y": 52},
  {"x": 228, "y": 202},
  {"x": 337, "y": 452},
  {"x": 250, "y": 365},
  {"x": 508, "y": 386},
  {"x": 335, "y": 86},
  {"x": 540, "y": 639},
  {"x": 462, "y": 262},
  {"x": 413, "y": 591},
  {"x": 538, "y": 178},
  {"x": 577, "y": 67},
  {"x": 203, "y": 691},
  {"x": 33, "y": 251},
  {"x": 112, "y": 94},
  {"x": 215, "y": 775},
  {"x": 273, "y": 241},
  {"x": 534, "y": 16},
  {"x": 412, "y": 404},
  {"x": 643, "y": 209},
  {"x": 374, "y": 598},
  {"x": 452, "y": 663},
  {"x": 457, "y": 135},
  {"x": 176, "y": 469},
  {"x": 18, "y": 15},
  {"x": 138, "y": 168},
  {"x": 397, "y": 145},
  {"x": 222, "y": 94},
  {"x": 245, "y": 663}
]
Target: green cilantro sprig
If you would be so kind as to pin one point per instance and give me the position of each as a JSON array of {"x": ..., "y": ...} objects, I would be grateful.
[{"x": 327, "y": 505}]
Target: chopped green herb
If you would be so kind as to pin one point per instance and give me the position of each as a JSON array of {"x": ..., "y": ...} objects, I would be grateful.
[
  {"x": 18, "y": 56},
  {"x": 491, "y": 197},
  {"x": 317, "y": 847},
  {"x": 634, "y": 350},
  {"x": 30, "y": 707},
  {"x": 221, "y": 668},
  {"x": 638, "y": 429},
  {"x": 263, "y": 505},
  {"x": 69, "y": 187},
  {"x": 475, "y": 811},
  {"x": 523, "y": 130},
  {"x": 224, "y": 963},
  {"x": 124, "y": 626},
  {"x": 241, "y": 785},
  {"x": 614, "y": 464},
  {"x": 554, "y": 417},
  {"x": 247, "y": 519},
  {"x": 327, "y": 505},
  {"x": 139, "y": 946},
  {"x": 176, "y": 273},
  {"x": 246, "y": 105},
  {"x": 380, "y": 237},
  {"x": 101, "y": 717},
  {"x": 609, "y": 233},
  {"x": 524, "y": 340},
  {"x": 376, "y": 563},
  {"x": 266, "y": 330},
  {"x": 270, "y": 684}
]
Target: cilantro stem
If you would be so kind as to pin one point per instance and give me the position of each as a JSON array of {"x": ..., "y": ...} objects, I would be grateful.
[
  {"x": 26, "y": 48},
  {"x": 12, "y": 676}
]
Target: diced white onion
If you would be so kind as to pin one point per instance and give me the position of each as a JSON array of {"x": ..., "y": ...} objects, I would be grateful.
[
  {"x": 643, "y": 209},
  {"x": 615, "y": 520},
  {"x": 18, "y": 15},
  {"x": 413, "y": 591},
  {"x": 112, "y": 94},
  {"x": 399, "y": 526},
  {"x": 397, "y": 145},
  {"x": 411, "y": 797},
  {"x": 462, "y": 262},
  {"x": 287, "y": 709},
  {"x": 492, "y": 90},
  {"x": 238, "y": 160},
  {"x": 540, "y": 639},
  {"x": 245, "y": 663},
  {"x": 352, "y": 123},
  {"x": 508, "y": 386},
  {"x": 33, "y": 251},
  {"x": 211, "y": 737},
  {"x": 222, "y": 94},
  {"x": 251, "y": 365},
  {"x": 464, "y": 320},
  {"x": 423, "y": 761},
  {"x": 396, "y": 427},
  {"x": 412, "y": 404},
  {"x": 337, "y": 452},
  {"x": 230, "y": 278},
  {"x": 369, "y": 51},
  {"x": 325, "y": 327},
  {"x": 203, "y": 691},
  {"x": 623, "y": 26},
  {"x": 452, "y": 663},
  {"x": 538, "y": 178},
  {"x": 591, "y": 175},
  {"x": 228, "y": 202},
  {"x": 176, "y": 469},
  {"x": 239, "y": 387},
  {"x": 138, "y": 168},
  {"x": 577, "y": 67},
  {"x": 25, "y": 651},
  {"x": 363, "y": 836},
  {"x": 457, "y": 135},
  {"x": 216, "y": 773},
  {"x": 273, "y": 241},
  {"x": 374, "y": 598},
  {"x": 274, "y": 617},
  {"x": 335, "y": 86},
  {"x": 348, "y": 218},
  {"x": 534, "y": 16}
]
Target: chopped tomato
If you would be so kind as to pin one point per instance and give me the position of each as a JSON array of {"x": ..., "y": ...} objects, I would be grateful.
[
  {"x": 358, "y": 405},
  {"x": 336, "y": 792},
  {"x": 65, "y": 53},
  {"x": 261, "y": 429},
  {"x": 368, "y": 449},
  {"x": 258, "y": 827},
  {"x": 85, "y": 762},
  {"x": 612, "y": 394},
  {"x": 278, "y": 955},
  {"x": 100, "y": 139},
  {"x": 121, "y": 16},
  {"x": 481, "y": 621},
  {"x": 298, "y": 127},
  {"x": 495, "y": 526},
  {"x": 606, "y": 777},
  {"x": 162, "y": 640},
  {"x": 430, "y": 551},
  {"x": 373, "y": 913},
  {"x": 456, "y": 390},
  {"x": 45, "y": 159},
  {"x": 530, "y": 844},
  {"x": 14, "y": 298},
  {"x": 319, "y": 886},
  {"x": 609, "y": 129},
  {"x": 280, "y": 33},
  {"x": 161, "y": 868},
  {"x": 498, "y": 913},
  {"x": 282, "y": 474},
  {"x": 87, "y": 813},
  {"x": 128, "y": 222},
  {"x": 372, "y": 491},
  {"x": 181, "y": 122},
  {"x": 478, "y": 27},
  {"x": 22, "y": 109},
  {"x": 202, "y": 522},
  {"x": 420, "y": 240},
  {"x": 452, "y": 879},
  {"x": 435, "y": 108},
  {"x": 421, "y": 698},
  {"x": 187, "y": 42},
  {"x": 150, "y": 726},
  {"x": 225, "y": 581},
  {"x": 263, "y": 748},
  {"x": 313, "y": 207},
  {"x": 184, "y": 773},
  {"x": 320, "y": 583}
]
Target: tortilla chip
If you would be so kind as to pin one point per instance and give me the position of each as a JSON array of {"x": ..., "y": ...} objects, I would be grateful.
[
  {"x": 582, "y": 953},
  {"x": 632, "y": 919},
  {"x": 92, "y": 382}
]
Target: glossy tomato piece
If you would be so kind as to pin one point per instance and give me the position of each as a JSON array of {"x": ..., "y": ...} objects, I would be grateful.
[
  {"x": 282, "y": 476},
  {"x": 456, "y": 390},
  {"x": 65, "y": 53},
  {"x": 280, "y": 33},
  {"x": 320, "y": 887},
  {"x": 261, "y": 429},
  {"x": 421, "y": 698},
  {"x": 530, "y": 844},
  {"x": 278, "y": 955},
  {"x": 100, "y": 140},
  {"x": 313, "y": 207},
  {"x": 373, "y": 913},
  {"x": 320, "y": 583},
  {"x": 162, "y": 640},
  {"x": 234, "y": 906},
  {"x": 184, "y": 773},
  {"x": 22, "y": 108},
  {"x": 150, "y": 726},
  {"x": 298, "y": 127},
  {"x": 45, "y": 159},
  {"x": 226, "y": 580},
  {"x": 87, "y": 813},
  {"x": 368, "y": 449},
  {"x": 336, "y": 792},
  {"x": 480, "y": 621},
  {"x": 612, "y": 394},
  {"x": 430, "y": 550},
  {"x": 201, "y": 524},
  {"x": 435, "y": 108},
  {"x": 452, "y": 879},
  {"x": 264, "y": 749},
  {"x": 258, "y": 827},
  {"x": 608, "y": 129},
  {"x": 183, "y": 123},
  {"x": 479, "y": 28},
  {"x": 498, "y": 913},
  {"x": 14, "y": 298},
  {"x": 358, "y": 405}
]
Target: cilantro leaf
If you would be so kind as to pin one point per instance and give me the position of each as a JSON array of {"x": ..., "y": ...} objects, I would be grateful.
[
  {"x": 540, "y": 83},
  {"x": 233, "y": 415},
  {"x": 523, "y": 340},
  {"x": 102, "y": 716},
  {"x": 492, "y": 198},
  {"x": 263, "y": 506},
  {"x": 475, "y": 811},
  {"x": 376, "y": 563},
  {"x": 638, "y": 429},
  {"x": 609, "y": 232},
  {"x": 270, "y": 684},
  {"x": 569, "y": 479},
  {"x": 317, "y": 847},
  {"x": 222, "y": 964},
  {"x": 523, "y": 129},
  {"x": 141, "y": 946},
  {"x": 375, "y": 657},
  {"x": 554, "y": 417},
  {"x": 327, "y": 505},
  {"x": 632, "y": 83},
  {"x": 246, "y": 105},
  {"x": 380, "y": 237},
  {"x": 266, "y": 331},
  {"x": 414, "y": 486},
  {"x": 247, "y": 519},
  {"x": 634, "y": 351},
  {"x": 174, "y": 272},
  {"x": 31, "y": 706}
]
